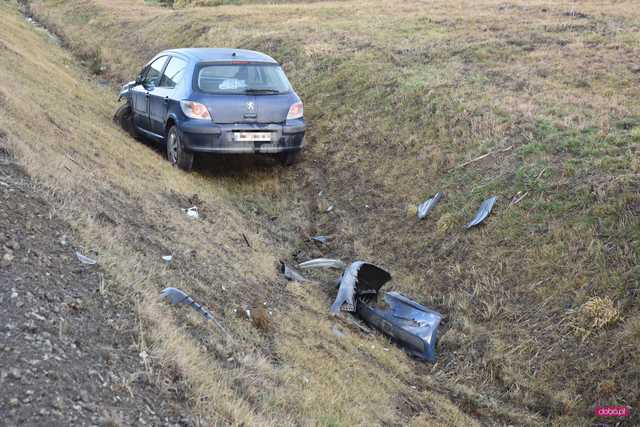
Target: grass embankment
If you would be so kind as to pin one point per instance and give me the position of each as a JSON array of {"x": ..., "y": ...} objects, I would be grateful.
[
  {"x": 399, "y": 96},
  {"x": 125, "y": 203}
]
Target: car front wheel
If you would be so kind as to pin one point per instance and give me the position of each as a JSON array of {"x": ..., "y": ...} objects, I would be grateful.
[
  {"x": 176, "y": 154},
  {"x": 124, "y": 118}
]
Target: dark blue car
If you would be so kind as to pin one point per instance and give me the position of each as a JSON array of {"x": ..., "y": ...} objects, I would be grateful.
[{"x": 214, "y": 101}]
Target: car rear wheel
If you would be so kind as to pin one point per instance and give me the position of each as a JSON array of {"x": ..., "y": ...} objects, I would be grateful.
[
  {"x": 289, "y": 158},
  {"x": 176, "y": 154}
]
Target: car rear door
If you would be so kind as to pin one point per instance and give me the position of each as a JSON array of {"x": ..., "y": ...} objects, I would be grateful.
[
  {"x": 140, "y": 93},
  {"x": 164, "y": 93}
]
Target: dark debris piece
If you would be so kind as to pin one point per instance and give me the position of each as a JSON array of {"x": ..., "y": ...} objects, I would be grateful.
[
  {"x": 178, "y": 296},
  {"x": 291, "y": 274},
  {"x": 361, "y": 278},
  {"x": 321, "y": 239}
]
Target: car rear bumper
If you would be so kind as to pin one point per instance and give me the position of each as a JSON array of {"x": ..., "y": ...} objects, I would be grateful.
[{"x": 206, "y": 137}]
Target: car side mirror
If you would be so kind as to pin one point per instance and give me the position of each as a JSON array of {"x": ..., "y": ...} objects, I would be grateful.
[{"x": 139, "y": 80}]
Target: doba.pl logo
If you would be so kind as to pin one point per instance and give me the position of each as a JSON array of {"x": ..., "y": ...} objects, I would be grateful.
[{"x": 612, "y": 411}]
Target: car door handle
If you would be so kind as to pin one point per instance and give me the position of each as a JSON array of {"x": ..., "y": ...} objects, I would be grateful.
[
  {"x": 166, "y": 99},
  {"x": 146, "y": 95}
]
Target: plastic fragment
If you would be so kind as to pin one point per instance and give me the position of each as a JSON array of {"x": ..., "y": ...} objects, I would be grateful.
[
  {"x": 321, "y": 239},
  {"x": 483, "y": 212},
  {"x": 85, "y": 259},
  {"x": 192, "y": 212},
  {"x": 178, "y": 296},
  {"x": 425, "y": 208},
  {"x": 413, "y": 325},
  {"x": 291, "y": 274},
  {"x": 167, "y": 258},
  {"x": 323, "y": 263},
  {"x": 362, "y": 278}
]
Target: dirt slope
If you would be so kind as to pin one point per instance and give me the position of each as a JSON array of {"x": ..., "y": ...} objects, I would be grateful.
[
  {"x": 541, "y": 302},
  {"x": 70, "y": 350}
]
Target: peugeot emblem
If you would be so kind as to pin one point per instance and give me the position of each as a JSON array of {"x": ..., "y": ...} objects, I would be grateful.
[{"x": 250, "y": 106}]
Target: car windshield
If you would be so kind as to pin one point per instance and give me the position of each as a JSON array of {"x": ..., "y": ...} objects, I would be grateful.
[{"x": 243, "y": 78}]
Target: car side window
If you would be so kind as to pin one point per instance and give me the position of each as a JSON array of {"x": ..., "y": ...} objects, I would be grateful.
[
  {"x": 154, "y": 72},
  {"x": 173, "y": 73}
]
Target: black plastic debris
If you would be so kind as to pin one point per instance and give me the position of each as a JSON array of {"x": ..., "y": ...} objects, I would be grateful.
[
  {"x": 483, "y": 212},
  {"x": 412, "y": 325},
  {"x": 425, "y": 208},
  {"x": 320, "y": 239},
  {"x": 178, "y": 296},
  {"x": 360, "y": 278},
  {"x": 291, "y": 274}
]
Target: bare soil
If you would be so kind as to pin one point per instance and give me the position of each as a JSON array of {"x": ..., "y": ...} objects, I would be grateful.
[{"x": 69, "y": 351}]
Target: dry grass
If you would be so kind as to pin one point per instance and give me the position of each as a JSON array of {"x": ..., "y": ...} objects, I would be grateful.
[
  {"x": 601, "y": 312},
  {"x": 125, "y": 204},
  {"x": 398, "y": 96}
]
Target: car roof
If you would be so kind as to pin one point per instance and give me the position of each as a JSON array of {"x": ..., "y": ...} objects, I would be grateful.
[{"x": 222, "y": 54}]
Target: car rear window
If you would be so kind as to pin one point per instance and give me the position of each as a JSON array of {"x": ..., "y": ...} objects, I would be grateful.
[{"x": 242, "y": 79}]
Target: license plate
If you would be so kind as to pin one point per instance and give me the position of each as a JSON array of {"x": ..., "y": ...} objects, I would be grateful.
[{"x": 252, "y": 136}]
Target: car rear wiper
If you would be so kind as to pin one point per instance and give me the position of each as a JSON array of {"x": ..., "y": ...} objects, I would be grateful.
[{"x": 257, "y": 90}]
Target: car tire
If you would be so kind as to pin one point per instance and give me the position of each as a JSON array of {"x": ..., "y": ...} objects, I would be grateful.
[
  {"x": 124, "y": 118},
  {"x": 176, "y": 153},
  {"x": 289, "y": 158}
]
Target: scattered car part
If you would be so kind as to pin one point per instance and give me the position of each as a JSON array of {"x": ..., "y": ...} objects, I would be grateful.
[
  {"x": 320, "y": 239},
  {"x": 167, "y": 258},
  {"x": 425, "y": 208},
  {"x": 409, "y": 323},
  {"x": 291, "y": 274},
  {"x": 330, "y": 208},
  {"x": 413, "y": 325},
  {"x": 362, "y": 278},
  {"x": 178, "y": 296},
  {"x": 483, "y": 212},
  {"x": 85, "y": 259},
  {"x": 192, "y": 212},
  {"x": 323, "y": 263}
]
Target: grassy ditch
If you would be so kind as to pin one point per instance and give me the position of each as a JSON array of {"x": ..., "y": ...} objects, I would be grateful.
[
  {"x": 282, "y": 366},
  {"x": 541, "y": 302}
]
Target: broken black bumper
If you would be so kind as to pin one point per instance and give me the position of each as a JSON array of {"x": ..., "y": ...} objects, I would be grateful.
[{"x": 219, "y": 138}]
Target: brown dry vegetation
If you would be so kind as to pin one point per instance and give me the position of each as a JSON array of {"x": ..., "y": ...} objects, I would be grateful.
[{"x": 398, "y": 95}]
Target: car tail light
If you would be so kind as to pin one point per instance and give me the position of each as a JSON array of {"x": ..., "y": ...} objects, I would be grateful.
[
  {"x": 195, "y": 110},
  {"x": 296, "y": 111}
]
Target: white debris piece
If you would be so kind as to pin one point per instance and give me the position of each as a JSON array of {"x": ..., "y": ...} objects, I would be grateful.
[
  {"x": 192, "y": 212},
  {"x": 85, "y": 259}
]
